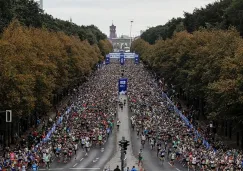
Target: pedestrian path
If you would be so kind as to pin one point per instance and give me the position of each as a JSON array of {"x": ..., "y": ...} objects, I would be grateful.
[
  {"x": 124, "y": 130},
  {"x": 44, "y": 120}
]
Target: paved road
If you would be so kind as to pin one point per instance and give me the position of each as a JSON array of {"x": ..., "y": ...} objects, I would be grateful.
[
  {"x": 151, "y": 161},
  {"x": 96, "y": 159},
  {"x": 124, "y": 130}
]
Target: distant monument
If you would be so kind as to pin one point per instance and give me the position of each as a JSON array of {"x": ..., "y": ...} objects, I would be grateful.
[
  {"x": 119, "y": 43},
  {"x": 113, "y": 31}
]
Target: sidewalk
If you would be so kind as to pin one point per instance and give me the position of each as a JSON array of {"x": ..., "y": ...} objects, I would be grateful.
[
  {"x": 123, "y": 131},
  {"x": 219, "y": 136},
  {"x": 50, "y": 114}
]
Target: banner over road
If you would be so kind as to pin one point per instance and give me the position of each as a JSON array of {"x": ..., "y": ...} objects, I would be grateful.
[
  {"x": 126, "y": 55},
  {"x": 122, "y": 86}
]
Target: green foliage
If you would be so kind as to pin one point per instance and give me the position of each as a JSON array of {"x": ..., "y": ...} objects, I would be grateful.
[
  {"x": 28, "y": 13},
  {"x": 105, "y": 47},
  {"x": 206, "y": 64},
  {"x": 163, "y": 32},
  {"x": 234, "y": 15},
  {"x": 221, "y": 14},
  {"x": 212, "y": 16}
]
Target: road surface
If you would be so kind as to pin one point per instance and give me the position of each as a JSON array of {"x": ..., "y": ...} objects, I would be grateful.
[
  {"x": 151, "y": 161},
  {"x": 96, "y": 159}
]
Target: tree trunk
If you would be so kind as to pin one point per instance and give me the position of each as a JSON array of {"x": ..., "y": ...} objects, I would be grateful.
[
  {"x": 230, "y": 130},
  {"x": 242, "y": 139},
  {"x": 238, "y": 139},
  {"x": 9, "y": 133},
  {"x": 187, "y": 97},
  {"x": 226, "y": 128},
  {"x": 200, "y": 107},
  {"x": 180, "y": 92}
]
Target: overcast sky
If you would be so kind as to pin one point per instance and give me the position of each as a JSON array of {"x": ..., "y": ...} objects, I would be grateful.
[{"x": 145, "y": 13}]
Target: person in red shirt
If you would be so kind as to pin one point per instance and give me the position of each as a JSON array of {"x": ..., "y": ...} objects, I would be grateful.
[{"x": 34, "y": 134}]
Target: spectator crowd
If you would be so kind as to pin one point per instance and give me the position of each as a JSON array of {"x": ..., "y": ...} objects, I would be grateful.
[
  {"x": 169, "y": 132},
  {"x": 86, "y": 121}
]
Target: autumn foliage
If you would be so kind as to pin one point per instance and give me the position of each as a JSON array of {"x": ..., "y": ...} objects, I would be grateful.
[
  {"x": 35, "y": 64},
  {"x": 206, "y": 65}
]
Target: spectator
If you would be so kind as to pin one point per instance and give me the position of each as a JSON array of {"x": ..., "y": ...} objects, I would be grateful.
[
  {"x": 133, "y": 169},
  {"x": 117, "y": 168}
]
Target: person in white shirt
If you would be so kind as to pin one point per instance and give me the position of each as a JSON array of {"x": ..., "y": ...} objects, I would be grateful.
[
  {"x": 75, "y": 148},
  {"x": 83, "y": 143},
  {"x": 23, "y": 168},
  {"x": 87, "y": 145},
  {"x": 152, "y": 142},
  {"x": 194, "y": 160},
  {"x": 87, "y": 138},
  {"x": 44, "y": 156},
  {"x": 173, "y": 155},
  {"x": 143, "y": 137},
  {"x": 47, "y": 150},
  {"x": 118, "y": 122}
]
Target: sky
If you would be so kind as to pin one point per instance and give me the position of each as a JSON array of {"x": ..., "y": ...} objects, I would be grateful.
[{"x": 144, "y": 13}]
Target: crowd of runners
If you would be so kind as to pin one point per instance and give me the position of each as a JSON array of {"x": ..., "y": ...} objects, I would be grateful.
[
  {"x": 86, "y": 122},
  {"x": 89, "y": 117},
  {"x": 157, "y": 124}
]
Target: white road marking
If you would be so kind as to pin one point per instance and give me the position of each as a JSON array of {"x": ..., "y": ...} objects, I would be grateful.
[
  {"x": 178, "y": 169},
  {"x": 75, "y": 165},
  {"x": 88, "y": 168},
  {"x": 81, "y": 159},
  {"x": 169, "y": 163}
]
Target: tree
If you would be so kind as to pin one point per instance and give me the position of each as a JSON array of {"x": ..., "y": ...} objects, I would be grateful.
[
  {"x": 37, "y": 63},
  {"x": 234, "y": 15},
  {"x": 28, "y": 13},
  {"x": 206, "y": 65}
]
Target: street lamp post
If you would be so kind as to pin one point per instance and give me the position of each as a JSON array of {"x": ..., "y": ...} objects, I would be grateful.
[
  {"x": 123, "y": 144},
  {"x": 7, "y": 129},
  {"x": 131, "y": 35}
]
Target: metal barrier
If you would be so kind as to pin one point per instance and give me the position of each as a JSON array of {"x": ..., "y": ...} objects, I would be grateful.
[{"x": 177, "y": 111}]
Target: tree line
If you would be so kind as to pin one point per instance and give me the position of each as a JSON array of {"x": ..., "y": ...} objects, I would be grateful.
[
  {"x": 41, "y": 60},
  {"x": 36, "y": 65},
  {"x": 221, "y": 14},
  {"x": 205, "y": 66},
  {"x": 28, "y": 13}
]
